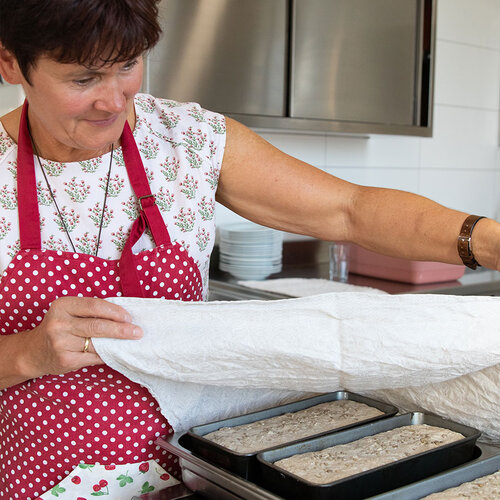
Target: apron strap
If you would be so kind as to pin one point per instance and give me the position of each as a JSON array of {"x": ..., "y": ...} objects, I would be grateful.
[
  {"x": 27, "y": 197},
  {"x": 150, "y": 216},
  {"x": 129, "y": 278},
  {"x": 140, "y": 185}
]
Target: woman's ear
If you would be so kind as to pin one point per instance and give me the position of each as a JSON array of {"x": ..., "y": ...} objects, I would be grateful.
[{"x": 9, "y": 68}]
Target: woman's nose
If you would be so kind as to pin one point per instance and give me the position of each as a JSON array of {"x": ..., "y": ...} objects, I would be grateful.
[{"x": 111, "y": 98}]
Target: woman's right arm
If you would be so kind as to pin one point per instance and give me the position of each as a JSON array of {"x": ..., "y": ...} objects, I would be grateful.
[{"x": 56, "y": 345}]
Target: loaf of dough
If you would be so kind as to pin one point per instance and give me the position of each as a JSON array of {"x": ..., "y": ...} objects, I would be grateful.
[
  {"x": 485, "y": 487},
  {"x": 341, "y": 461},
  {"x": 269, "y": 432}
]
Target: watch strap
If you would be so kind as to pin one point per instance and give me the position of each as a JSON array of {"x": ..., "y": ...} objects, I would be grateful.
[{"x": 464, "y": 242}]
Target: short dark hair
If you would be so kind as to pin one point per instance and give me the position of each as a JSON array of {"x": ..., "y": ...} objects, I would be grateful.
[{"x": 88, "y": 32}]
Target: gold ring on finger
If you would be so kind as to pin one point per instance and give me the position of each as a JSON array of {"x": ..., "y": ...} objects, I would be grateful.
[{"x": 86, "y": 344}]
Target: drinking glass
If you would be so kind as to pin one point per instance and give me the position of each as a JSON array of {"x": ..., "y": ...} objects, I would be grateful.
[{"x": 339, "y": 261}]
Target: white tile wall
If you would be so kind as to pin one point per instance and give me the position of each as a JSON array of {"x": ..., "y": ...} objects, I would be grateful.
[
  {"x": 467, "y": 75},
  {"x": 306, "y": 147},
  {"x": 474, "y": 23},
  {"x": 461, "y": 189},
  {"x": 347, "y": 152},
  {"x": 460, "y": 165},
  {"x": 496, "y": 203},
  {"x": 383, "y": 151},
  {"x": 10, "y": 97},
  {"x": 463, "y": 138}
]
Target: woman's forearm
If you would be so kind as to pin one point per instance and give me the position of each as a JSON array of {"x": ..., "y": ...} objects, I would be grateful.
[
  {"x": 14, "y": 367},
  {"x": 404, "y": 224},
  {"x": 271, "y": 188}
]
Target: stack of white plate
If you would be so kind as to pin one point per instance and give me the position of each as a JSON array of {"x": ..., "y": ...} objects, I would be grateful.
[{"x": 249, "y": 251}]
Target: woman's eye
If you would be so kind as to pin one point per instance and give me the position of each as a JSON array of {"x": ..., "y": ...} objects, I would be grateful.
[
  {"x": 128, "y": 66},
  {"x": 83, "y": 82}
]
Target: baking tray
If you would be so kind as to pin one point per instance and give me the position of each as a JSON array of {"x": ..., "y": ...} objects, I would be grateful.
[
  {"x": 486, "y": 461},
  {"x": 214, "y": 482},
  {"x": 245, "y": 464},
  {"x": 208, "y": 479},
  {"x": 374, "y": 481}
]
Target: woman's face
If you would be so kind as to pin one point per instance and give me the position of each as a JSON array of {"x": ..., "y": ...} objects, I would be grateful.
[{"x": 76, "y": 112}]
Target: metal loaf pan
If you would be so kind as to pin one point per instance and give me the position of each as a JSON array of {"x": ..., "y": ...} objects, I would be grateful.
[
  {"x": 374, "y": 481},
  {"x": 214, "y": 482},
  {"x": 207, "y": 479},
  {"x": 245, "y": 464},
  {"x": 486, "y": 461}
]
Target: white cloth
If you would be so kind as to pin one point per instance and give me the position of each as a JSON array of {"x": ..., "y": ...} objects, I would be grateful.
[
  {"x": 472, "y": 399},
  {"x": 204, "y": 361},
  {"x": 303, "y": 287}
]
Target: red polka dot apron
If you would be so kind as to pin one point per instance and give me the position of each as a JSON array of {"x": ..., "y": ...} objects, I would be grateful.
[{"x": 94, "y": 415}]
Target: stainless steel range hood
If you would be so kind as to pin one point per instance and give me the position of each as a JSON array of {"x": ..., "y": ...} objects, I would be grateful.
[
  {"x": 228, "y": 55},
  {"x": 327, "y": 65}
]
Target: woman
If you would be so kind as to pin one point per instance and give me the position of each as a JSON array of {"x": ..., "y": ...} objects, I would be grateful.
[{"x": 107, "y": 192}]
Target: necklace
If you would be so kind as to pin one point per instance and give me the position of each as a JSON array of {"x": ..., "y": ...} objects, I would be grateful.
[{"x": 61, "y": 218}]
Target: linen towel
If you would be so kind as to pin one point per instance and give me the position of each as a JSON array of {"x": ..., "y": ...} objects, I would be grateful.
[
  {"x": 205, "y": 361},
  {"x": 303, "y": 287}
]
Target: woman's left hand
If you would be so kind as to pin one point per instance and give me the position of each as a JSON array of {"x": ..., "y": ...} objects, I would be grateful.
[{"x": 62, "y": 342}]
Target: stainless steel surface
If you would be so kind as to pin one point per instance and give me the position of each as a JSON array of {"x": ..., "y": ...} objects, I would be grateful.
[
  {"x": 352, "y": 73},
  {"x": 271, "y": 123},
  {"x": 487, "y": 463},
  {"x": 228, "y": 55},
  {"x": 177, "y": 492},
  {"x": 488, "y": 288},
  {"x": 221, "y": 290},
  {"x": 354, "y": 62},
  {"x": 212, "y": 475},
  {"x": 205, "y": 487}
]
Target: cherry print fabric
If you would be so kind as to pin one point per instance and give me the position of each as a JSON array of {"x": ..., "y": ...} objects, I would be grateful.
[
  {"x": 116, "y": 482},
  {"x": 94, "y": 415}
]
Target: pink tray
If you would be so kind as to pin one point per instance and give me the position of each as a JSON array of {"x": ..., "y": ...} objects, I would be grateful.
[{"x": 369, "y": 263}]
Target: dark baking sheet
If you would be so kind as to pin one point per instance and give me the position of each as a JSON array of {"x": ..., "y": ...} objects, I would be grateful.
[
  {"x": 486, "y": 463},
  {"x": 374, "y": 481},
  {"x": 211, "y": 480},
  {"x": 245, "y": 464},
  {"x": 207, "y": 479}
]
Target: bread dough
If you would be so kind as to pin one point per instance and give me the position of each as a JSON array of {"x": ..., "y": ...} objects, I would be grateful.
[
  {"x": 340, "y": 461},
  {"x": 266, "y": 433},
  {"x": 481, "y": 488}
]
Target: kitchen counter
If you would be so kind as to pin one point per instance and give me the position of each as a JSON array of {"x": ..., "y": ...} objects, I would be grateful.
[
  {"x": 309, "y": 260},
  {"x": 479, "y": 282}
]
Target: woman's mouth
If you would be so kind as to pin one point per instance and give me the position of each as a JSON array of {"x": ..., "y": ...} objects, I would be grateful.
[{"x": 103, "y": 122}]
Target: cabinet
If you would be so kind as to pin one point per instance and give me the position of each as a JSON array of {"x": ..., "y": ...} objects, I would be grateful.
[
  {"x": 355, "y": 66},
  {"x": 228, "y": 55}
]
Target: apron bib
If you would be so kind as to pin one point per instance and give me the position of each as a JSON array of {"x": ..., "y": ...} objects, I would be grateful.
[{"x": 94, "y": 415}]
